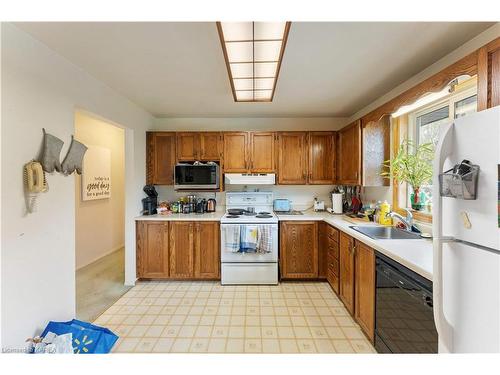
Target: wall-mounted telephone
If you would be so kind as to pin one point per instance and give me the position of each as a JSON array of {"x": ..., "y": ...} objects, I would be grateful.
[{"x": 34, "y": 183}]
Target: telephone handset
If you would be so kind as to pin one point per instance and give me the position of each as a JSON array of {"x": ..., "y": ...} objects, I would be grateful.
[
  {"x": 35, "y": 177},
  {"x": 34, "y": 183}
]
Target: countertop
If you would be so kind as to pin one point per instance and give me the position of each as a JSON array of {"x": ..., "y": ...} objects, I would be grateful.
[
  {"x": 213, "y": 216},
  {"x": 413, "y": 254}
]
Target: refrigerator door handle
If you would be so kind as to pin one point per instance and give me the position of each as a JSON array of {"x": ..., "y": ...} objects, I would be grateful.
[{"x": 445, "y": 331}]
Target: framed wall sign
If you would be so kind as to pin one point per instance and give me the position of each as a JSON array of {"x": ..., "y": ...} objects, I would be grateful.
[{"x": 96, "y": 176}]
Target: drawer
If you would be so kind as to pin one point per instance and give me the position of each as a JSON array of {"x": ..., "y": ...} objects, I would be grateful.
[
  {"x": 332, "y": 249},
  {"x": 332, "y": 233},
  {"x": 333, "y": 280},
  {"x": 333, "y": 265}
]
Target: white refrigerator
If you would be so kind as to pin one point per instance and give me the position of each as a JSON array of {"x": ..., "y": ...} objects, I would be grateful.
[{"x": 466, "y": 269}]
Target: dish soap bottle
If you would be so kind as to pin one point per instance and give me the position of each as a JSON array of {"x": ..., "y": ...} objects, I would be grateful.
[{"x": 385, "y": 208}]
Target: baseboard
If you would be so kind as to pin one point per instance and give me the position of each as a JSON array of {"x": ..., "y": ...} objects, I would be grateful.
[{"x": 117, "y": 248}]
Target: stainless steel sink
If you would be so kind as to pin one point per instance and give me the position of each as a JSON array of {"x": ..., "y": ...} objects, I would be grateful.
[{"x": 386, "y": 233}]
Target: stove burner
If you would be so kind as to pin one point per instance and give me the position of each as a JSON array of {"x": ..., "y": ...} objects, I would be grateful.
[
  {"x": 263, "y": 216},
  {"x": 232, "y": 216},
  {"x": 247, "y": 213},
  {"x": 264, "y": 213}
]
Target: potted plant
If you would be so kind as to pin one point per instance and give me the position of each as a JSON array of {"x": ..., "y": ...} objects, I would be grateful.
[{"x": 411, "y": 164}]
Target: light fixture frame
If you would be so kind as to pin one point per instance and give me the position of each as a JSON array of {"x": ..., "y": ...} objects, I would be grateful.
[{"x": 278, "y": 67}]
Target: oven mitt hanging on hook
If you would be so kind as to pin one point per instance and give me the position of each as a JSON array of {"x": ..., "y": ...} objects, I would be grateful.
[
  {"x": 74, "y": 158},
  {"x": 51, "y": 153}
]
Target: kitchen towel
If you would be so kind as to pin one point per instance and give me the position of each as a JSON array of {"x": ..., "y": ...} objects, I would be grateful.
[
  {"x": 249, "y": 238},
  {"x": 232, "y": 242},
  {"x": 265, "y": 239}
]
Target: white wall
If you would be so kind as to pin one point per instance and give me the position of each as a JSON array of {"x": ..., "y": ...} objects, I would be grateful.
[
  {"x": 248, "y": 123},
  {"x": 100, "y": 223},
  {"x": 42, "y": 89},
  {"x": 302, "y": 196}
]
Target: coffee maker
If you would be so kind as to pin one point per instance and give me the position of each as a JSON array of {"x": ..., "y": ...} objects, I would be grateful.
[{"x": 150, "y": 203}]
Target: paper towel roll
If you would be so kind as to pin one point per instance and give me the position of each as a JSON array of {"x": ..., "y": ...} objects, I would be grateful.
[{"x": 337, "y": 203}]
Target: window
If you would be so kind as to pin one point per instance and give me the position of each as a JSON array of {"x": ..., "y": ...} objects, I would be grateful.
[{"x": 423, "y": 126}]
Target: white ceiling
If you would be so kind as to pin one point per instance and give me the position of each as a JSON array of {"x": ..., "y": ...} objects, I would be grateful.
[{"x": 175, "y": 69}]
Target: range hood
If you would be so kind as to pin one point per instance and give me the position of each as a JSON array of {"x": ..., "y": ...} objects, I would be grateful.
[{"x": 250, "y": 178}]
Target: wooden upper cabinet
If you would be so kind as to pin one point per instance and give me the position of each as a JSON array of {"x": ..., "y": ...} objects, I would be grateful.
[
  {"x": 187, "y": 146},
  {"x": 346, "y": 255},
  {"x": 152, "y": 249},
  {"x": 210, "y": 146},
  {"x": 488, "y": 75},
  {"x": 299, "y": 249},
  {"x": 349, "y": 154},
  {"x": 235, "y": 152},
  {"x": 160, "y": 158},
  {"x": 376, "y": 150},
  {"x": 364, "y": 259},
  {"x": 207, "y": 250},
  {"x": 203, "y": 146},
  {"x": 181, "y": 237},
  {"x": 292, "y": 158},
  {"x": 321, "y": 158},
  {"x": 262, "y": 152}
]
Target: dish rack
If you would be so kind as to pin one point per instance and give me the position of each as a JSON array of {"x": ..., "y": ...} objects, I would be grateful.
[{"x": 457, "y": 185}]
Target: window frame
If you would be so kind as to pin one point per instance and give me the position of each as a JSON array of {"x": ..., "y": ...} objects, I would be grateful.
[{"x": 405, "y": 126}]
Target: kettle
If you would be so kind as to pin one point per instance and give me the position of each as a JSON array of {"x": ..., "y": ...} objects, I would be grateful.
[{"x": 211, "y": 203}]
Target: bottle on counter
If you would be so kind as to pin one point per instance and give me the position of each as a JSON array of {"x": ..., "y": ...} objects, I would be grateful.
[{"x": 385, "y": 208}]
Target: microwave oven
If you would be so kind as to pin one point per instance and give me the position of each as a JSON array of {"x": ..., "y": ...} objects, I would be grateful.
[{"x": 196, "y": 176}]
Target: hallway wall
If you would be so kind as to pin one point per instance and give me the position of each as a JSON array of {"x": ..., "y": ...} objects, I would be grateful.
[
  {"x": 42, "y": 89},
  {"x": 100, "y": 223}
]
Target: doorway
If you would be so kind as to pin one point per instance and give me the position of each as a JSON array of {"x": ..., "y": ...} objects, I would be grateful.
[{"x": 99, "y": 217}]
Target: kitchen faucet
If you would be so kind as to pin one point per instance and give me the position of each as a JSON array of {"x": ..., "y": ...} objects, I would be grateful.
[{"x": 408, "y": 221}]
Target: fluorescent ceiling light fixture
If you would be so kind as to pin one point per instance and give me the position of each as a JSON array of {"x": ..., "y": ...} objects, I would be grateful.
[
  {"x": 424, "y": 100},
  {"x": 253, "y": 52}
]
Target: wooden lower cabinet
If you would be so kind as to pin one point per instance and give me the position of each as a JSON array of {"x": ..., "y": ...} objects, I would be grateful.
[
  {"x": 322, "y": 250},
  {"x": 152, "y": 249},
  {"x": 181, "y": 236},
  {"x": 364, "y": 259},
  {"x": 299, "y": 250},
  {"x": 346, "y": 271},
  {"x": 333, "y": 263},
  {"x": 207, "y": 250},
  {"x": 178, "y": 250}
]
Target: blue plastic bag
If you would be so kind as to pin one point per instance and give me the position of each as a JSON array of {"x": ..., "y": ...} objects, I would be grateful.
[{"x": 87, "y": 338}]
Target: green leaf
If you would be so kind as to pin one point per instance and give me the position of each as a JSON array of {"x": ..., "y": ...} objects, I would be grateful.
[{"x": 411, "y": 164}]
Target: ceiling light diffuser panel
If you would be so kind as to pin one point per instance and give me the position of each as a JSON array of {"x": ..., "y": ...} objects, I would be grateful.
[{"x": 253, "y": 52}]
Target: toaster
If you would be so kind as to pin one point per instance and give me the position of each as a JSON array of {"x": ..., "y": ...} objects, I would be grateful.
[{"x": 282, "y": 205}]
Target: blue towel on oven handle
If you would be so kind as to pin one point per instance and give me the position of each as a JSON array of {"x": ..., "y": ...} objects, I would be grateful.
[{"x": 249, "y": 238}]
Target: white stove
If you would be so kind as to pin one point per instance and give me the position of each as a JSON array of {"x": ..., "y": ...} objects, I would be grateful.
[
  {"x": 241, "y": 265},
  {"x": 260, "y": 217}
]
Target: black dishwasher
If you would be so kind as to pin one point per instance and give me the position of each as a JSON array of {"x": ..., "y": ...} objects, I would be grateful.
[{"x": 404, "y": 321}]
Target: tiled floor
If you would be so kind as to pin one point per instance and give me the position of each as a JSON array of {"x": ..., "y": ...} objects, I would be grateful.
[{"x": 173, "y": 317}]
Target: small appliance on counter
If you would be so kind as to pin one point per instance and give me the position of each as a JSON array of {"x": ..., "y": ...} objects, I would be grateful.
[
  {"x": 319, "y": 205},
  {"x": 211, "y": 204},
  {"x": 282, "y": 205},
  {"x": 150, "y": 203}
]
